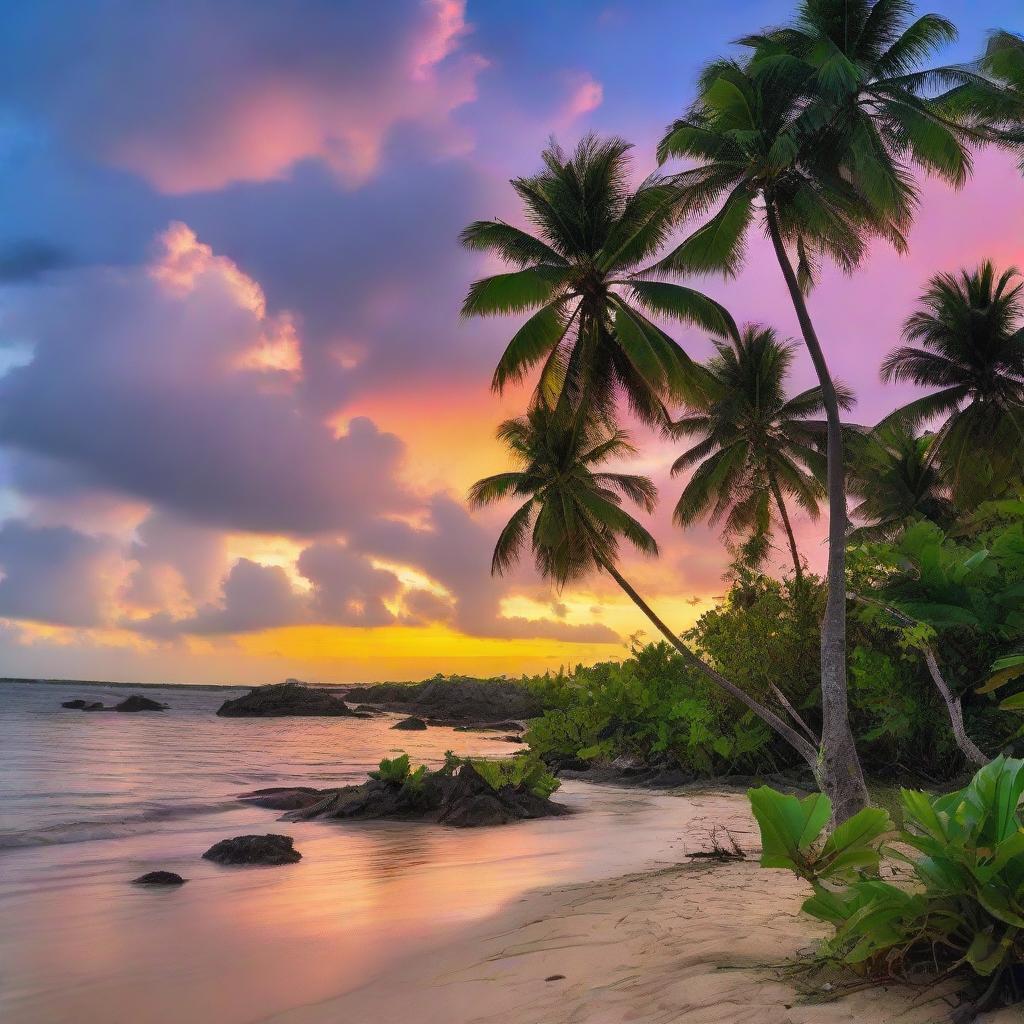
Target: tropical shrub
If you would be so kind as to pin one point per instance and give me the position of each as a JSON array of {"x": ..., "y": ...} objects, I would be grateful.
[
  {"x": 966, "y": 908},
  {"x": 655, "y": 707},
  {"x": 527, "y": 771}
]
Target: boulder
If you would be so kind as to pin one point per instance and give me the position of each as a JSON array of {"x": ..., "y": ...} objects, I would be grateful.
[
  {"x": 159, "y": 878},
  {"x": 463, "y": 799},
  {"x": 95, "y": 705},
  {"x": 268, "y": 849},
  {"x": 410, "y": 724},
  {"x": 456, "y": 700},
  {"x": 290, "y": 698},
  {"x": 492, "y": 727},
  {"x": 137, "y": 703},
  {"x": 368, "y": 709},
  {"x": 76, "y": 705}
]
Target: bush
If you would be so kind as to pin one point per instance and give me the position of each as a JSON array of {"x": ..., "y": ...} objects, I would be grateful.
[
  {"x": 966, "y": 911},
  {"x": 654, "y": 707},
  {"x": 527, "y": 771}
]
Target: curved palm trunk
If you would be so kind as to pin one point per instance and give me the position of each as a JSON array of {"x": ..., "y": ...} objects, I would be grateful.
[
  {"x": 802, "y": 746},
  {"x": 777, "y": 494},
  {"x": 956, "y": 714},
  {"x": 842, "y": 777}
]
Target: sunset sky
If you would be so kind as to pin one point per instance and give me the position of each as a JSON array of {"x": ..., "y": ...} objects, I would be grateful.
[{"x": 238, "y": 409}]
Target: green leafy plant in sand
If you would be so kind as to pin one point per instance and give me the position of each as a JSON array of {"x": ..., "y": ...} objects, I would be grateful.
[
  {"x": 527, "y": 771},
  {"x": 965, "y": 912}
]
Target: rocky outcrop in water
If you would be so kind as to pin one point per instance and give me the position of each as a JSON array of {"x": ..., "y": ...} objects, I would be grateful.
[
  {"x": 137, "y": 703},
  {"x": 290, "y": 698},
  {"x": 159, "y": 878},
  {"x": 454, "y": 700},
  {"x": 410, "y": 724},
  {"x": 462, "y": 798},
  {"x": 268, "y": 849},
  {"x": 83, "y": 705}
]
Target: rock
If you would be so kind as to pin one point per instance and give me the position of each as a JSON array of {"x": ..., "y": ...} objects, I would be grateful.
[
  {"x": 268, "y": 849},
  {"x": 159, "y": 878},
  {"x": 482, "y": 809},
  {"x": 75, "y": 705},
  {"x": 284, "y": 798},
  {"x": 492, "y": 727},
  {"x": 368, "y": 709},
  {"x": 410, "y": 724},
  {"x": 463, "y": 799},
  {"x": 456, "y": 700},
  {"x": 137, "y": 703},
  {"x": 95, "y": 705},
  {"x": 290, "y": 698}
]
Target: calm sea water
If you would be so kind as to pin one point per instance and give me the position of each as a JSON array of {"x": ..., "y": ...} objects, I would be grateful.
[{"x": 89, "y": 801}]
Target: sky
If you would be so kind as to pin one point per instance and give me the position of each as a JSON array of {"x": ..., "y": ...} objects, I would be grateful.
[{"x": 238, "y": 409}]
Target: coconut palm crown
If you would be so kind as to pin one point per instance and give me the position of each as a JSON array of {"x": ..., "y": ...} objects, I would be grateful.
[
  {"x": 589, "y": 327},
  {"x": 757, "y": 446},
  {"x": 572, "y": 514},
  {"x": 966, "y": 343},
  {"x": 897, "y": 481}
]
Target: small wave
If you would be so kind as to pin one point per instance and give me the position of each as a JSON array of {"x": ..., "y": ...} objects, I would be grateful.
[{"x": 108, "y": 828}]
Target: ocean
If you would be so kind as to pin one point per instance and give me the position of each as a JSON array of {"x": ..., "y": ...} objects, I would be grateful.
[{"x": 89, "y": 801}]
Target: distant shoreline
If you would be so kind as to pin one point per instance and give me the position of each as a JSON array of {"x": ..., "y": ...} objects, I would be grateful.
[{"x": 139, "y": 686}]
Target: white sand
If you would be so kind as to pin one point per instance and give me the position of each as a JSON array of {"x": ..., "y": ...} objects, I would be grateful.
[{"x": 697, "y": 943}]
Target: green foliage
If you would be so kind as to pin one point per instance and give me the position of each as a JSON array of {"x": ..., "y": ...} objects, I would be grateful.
[
  {"x": 791, "y": 836},
  {"x": 526, "y": 771},
  {"x": 654, "y": 707},
  {"x": 395, "y": 770},
  {"x": 967, "y": 907}
]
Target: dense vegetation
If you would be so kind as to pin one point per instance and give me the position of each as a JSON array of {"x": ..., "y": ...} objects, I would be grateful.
[{"x": 908, "y": 656}]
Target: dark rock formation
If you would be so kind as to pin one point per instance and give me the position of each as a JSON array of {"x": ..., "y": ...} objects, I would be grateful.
[
  {"x": 96, "y": 705},
  {"x": 290, "y": 698},
  {"x": 268, "y": 849},
  {"x": 368, "y": 709},
  {"x": 455, "y": 699},
  {"x": 463, "y": 799},
  {"x": 137, "y": 703},
  {"x": 492, "y": 727},
  {"x": 159, "y": 878},
  {"x": 410, "y": 724},
  {"x": 78, "y": 704},
  {"x": 284, "y": 798}
]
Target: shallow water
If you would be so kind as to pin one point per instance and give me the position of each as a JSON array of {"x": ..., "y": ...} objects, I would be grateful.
[{"x": 90, "y": 801}]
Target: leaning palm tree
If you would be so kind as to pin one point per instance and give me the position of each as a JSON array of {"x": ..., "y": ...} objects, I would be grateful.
[
  {"x": 589, "y": 327},
  {"x": 756, "y": 446},
  {"x": 898, "y": 481},
  {"x": 572, "y": 517},
  {"x": 966, "y": 341},
  {"x": 817, "y": 135}
]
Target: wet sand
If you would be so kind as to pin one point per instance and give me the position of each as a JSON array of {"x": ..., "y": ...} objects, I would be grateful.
[{"x": 695, "y": 943}]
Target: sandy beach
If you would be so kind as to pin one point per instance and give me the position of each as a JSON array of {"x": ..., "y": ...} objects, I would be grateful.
[{"x": 697, "y": 943}]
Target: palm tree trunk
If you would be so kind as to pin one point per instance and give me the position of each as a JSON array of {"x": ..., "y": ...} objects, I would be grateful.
[
  {"x": 777, "y": 494},
  {"x": 842, "y": 777},
  {"x": 802, "y": 746}
]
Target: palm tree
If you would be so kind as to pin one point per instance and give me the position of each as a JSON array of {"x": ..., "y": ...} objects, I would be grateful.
[
  {"x": 898, "y": 481},
  {"x": 993, "y": 101},
  {"x": 756, "y": 447},
  {"x": 589, "y": 327},
  {"x": 817, "y": 134},
  {"x": 572, "y": 514},
  {"x": 967, "y": 341}
]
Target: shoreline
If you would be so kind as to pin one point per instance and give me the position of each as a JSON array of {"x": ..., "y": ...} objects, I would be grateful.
[{"x": 690, "y": 943}]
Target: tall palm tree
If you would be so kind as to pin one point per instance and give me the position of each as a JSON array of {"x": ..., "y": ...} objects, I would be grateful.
[
  {"x": 817, "y": 134},
  {"x": 756, "y": 447},
  {"x": 589, "y": 326},
  {"x": 967, "y": 341},
  {"x": 993, "y": 100},
  {"x": 572, "y": 515},
  {"x": 898, "y": 481}
]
